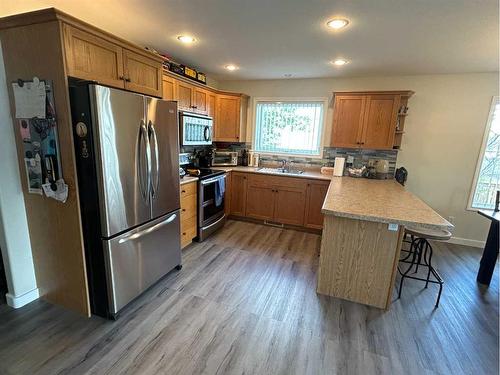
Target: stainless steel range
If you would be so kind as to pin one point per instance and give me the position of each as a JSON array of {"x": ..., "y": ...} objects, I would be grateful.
[{"x": 211, "y": 201}]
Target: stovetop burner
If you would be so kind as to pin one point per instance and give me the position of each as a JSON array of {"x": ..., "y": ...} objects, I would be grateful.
[{"x": 209, "y": 172}]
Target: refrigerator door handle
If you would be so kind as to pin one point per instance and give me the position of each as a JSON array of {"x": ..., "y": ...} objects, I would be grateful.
[
  {"x": 156, "y": 177},
  {"x": 147, "y": 184},
  {"x": 149, "y": 230}
]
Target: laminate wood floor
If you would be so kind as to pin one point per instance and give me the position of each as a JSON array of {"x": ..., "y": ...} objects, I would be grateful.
[{"x": 245, "y": 303}]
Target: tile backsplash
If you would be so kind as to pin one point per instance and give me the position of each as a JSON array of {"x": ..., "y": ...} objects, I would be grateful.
[{"x": 360, "y": 157}]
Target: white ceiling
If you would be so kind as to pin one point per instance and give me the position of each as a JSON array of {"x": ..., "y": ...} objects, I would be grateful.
[{"x": 271, "y": 38}]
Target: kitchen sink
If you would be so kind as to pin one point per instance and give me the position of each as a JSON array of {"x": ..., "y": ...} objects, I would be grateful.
[{"x": 280, "y": 170}]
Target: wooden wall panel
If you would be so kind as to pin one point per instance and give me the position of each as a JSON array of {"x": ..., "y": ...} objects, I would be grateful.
[
  {"x": 358, "y": 260},
  {"x": 55, "y": 228}
]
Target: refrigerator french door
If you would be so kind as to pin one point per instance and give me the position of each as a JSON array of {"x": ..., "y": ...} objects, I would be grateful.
[{"x": 126, "y": 148}]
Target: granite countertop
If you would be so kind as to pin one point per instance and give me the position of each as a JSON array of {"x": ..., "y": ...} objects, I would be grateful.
[
  {"x": 314, "y": 174},
  {"x": 383, "y": 201},
  {"x": 187, "y": 179}
]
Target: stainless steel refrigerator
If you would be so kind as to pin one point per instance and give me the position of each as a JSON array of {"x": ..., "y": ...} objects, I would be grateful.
[{"x": 127, "y": 154}]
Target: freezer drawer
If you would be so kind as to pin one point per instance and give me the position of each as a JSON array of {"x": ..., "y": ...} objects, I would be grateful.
[{"x": 137, "y": 259}]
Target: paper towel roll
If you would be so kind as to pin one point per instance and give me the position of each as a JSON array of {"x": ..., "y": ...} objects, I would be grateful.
[{"x": 338, "y": 167}]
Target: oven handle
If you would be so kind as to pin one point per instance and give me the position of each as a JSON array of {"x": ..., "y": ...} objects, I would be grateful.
[{"x": 213, "y": 179}]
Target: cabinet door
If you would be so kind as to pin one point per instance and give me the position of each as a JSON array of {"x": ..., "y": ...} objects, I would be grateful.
[
  {"x": 227, "y": 202},
  {"x": 260, "y": 201},
  {"x": 290, "y": 205},
  {"x": 90, "y": 57},
  {"x": 142, "y": 74},
  {"x": 316, "y": 193},
  {"x": 380, "y": 121},
  {"x": 200, "y": 100},
  {"x": 184, "y": 94},
  {"x": 228, "y": 118},
  {"x": 348, "y": 115},
  {"x": 238, "y": 194},
  {"x": 168, "y": 88},
  {"x": 211, "y": 111}
]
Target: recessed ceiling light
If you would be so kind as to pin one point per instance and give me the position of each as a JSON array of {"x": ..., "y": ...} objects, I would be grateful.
[
  {"x": 186, "y": 39},
  {"x": 231, "y": 67},
  {"x": 287, "y": 75},
  {"x": 339, "y": 62},
  {"x": 337, "y": 23}
]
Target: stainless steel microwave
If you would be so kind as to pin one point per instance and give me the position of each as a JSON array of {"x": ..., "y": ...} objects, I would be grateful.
[
  {"x": 195, "y": 129},
  {"x": 221, "y": 158}
]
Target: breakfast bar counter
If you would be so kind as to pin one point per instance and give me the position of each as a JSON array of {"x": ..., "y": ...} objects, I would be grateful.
[{"x": 362, "y": 234}]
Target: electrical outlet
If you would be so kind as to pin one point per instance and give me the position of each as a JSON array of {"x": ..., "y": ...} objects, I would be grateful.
[{"x": 451, "y": 219}]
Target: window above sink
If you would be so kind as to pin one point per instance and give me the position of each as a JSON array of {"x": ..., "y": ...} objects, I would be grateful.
[{"x": 289, "y": 126}]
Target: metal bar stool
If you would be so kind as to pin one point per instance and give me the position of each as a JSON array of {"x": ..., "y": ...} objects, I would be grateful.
[{"x": 420, "y": 253}]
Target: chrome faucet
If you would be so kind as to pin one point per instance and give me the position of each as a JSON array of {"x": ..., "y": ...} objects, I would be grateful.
[{"x": 284, "y": 166}]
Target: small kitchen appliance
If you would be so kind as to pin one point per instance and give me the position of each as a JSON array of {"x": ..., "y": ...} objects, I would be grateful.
[{"x": 224, "y": 158}]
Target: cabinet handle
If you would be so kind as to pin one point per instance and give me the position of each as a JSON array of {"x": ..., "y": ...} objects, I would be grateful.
[
  {"x": 183, "y": 233},
  {"x": 127, "y": 79},
  {"x": 183, "y": 210},
  {"x": 183, "y": 191},
  {"x": 121, "y": 78}
]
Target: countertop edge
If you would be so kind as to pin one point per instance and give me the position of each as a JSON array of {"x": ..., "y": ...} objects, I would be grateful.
[{"x": 385, "y": 220}]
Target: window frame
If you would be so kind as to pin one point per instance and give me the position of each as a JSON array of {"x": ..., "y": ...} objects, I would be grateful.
[
  {"x": 494, "y": 100},
  {"x": 322, "y": 130}
]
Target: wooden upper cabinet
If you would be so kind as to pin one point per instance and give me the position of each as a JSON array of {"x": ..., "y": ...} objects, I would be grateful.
[
  {"x": 184, "y": 93},
  {"x": 380, "y": 121},
  {"x": 93, "y": 58},
  {"x": 238, "y": 193},
  {"x": 228, "y": 118},
  {"x": 316, "y": 193},
  {"x": 142, "y": 74},
  {"x": 211, "y": 105},
  {"x": 168, "y": 88},
  {"x": 348, "y": 120},
  {"x": 200, "y": 100},
  {"x": 367, "y": 119}
]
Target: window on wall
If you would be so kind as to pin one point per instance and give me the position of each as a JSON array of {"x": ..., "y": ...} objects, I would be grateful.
[
  {"x": 289, "y": 127},
  {"x": 487, "y": 178}
]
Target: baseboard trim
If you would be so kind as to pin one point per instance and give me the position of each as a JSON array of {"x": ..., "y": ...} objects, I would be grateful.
[
  {"x": 467, "y": 242},
  {"x": 19, "y": 301}
]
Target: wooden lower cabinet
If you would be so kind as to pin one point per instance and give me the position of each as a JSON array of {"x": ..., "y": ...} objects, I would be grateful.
[
  {"x": 285, "y": 200},
  {"x": 289, "y": 205},
  {"x": 260, "y": 201},
  {"x": 238, "y": 193},
  {"x": 189, "y": 199},
  {"x": 227, "y": 199},
  {"x": 316, "y": 193}
]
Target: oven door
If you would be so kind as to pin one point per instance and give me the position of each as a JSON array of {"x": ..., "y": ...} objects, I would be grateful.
[{"x": 211, "y": 207}]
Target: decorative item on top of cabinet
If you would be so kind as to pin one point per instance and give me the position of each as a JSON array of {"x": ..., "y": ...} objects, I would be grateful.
[{"x": 368, "y": 120}]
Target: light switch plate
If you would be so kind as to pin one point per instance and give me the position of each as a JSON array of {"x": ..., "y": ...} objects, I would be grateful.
[{"x": 393, "y": 227}]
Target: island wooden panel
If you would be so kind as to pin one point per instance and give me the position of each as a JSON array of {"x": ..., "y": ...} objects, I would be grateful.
[
  {"x": 54, "y": 227},
  {"x": 358, "y": 260}
]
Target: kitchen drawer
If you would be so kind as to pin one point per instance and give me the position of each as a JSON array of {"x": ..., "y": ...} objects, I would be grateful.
[
  {"x": 187, "y": 236},
  {"x": 188, "y": 230},
  {"x": 188, "y": 189},
  {"x": 188, "y": 206}
]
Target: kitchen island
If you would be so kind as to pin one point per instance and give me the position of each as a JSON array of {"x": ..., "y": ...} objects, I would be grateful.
[{"x": 362, "y": 234}]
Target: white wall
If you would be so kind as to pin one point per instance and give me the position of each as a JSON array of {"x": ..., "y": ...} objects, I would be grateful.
[
  {"x": 14, "y": 235},
  {"x": 444, "y": 129}
]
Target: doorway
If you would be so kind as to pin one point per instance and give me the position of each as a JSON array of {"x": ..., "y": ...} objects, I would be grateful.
[{"x": 3, "y": 281}]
